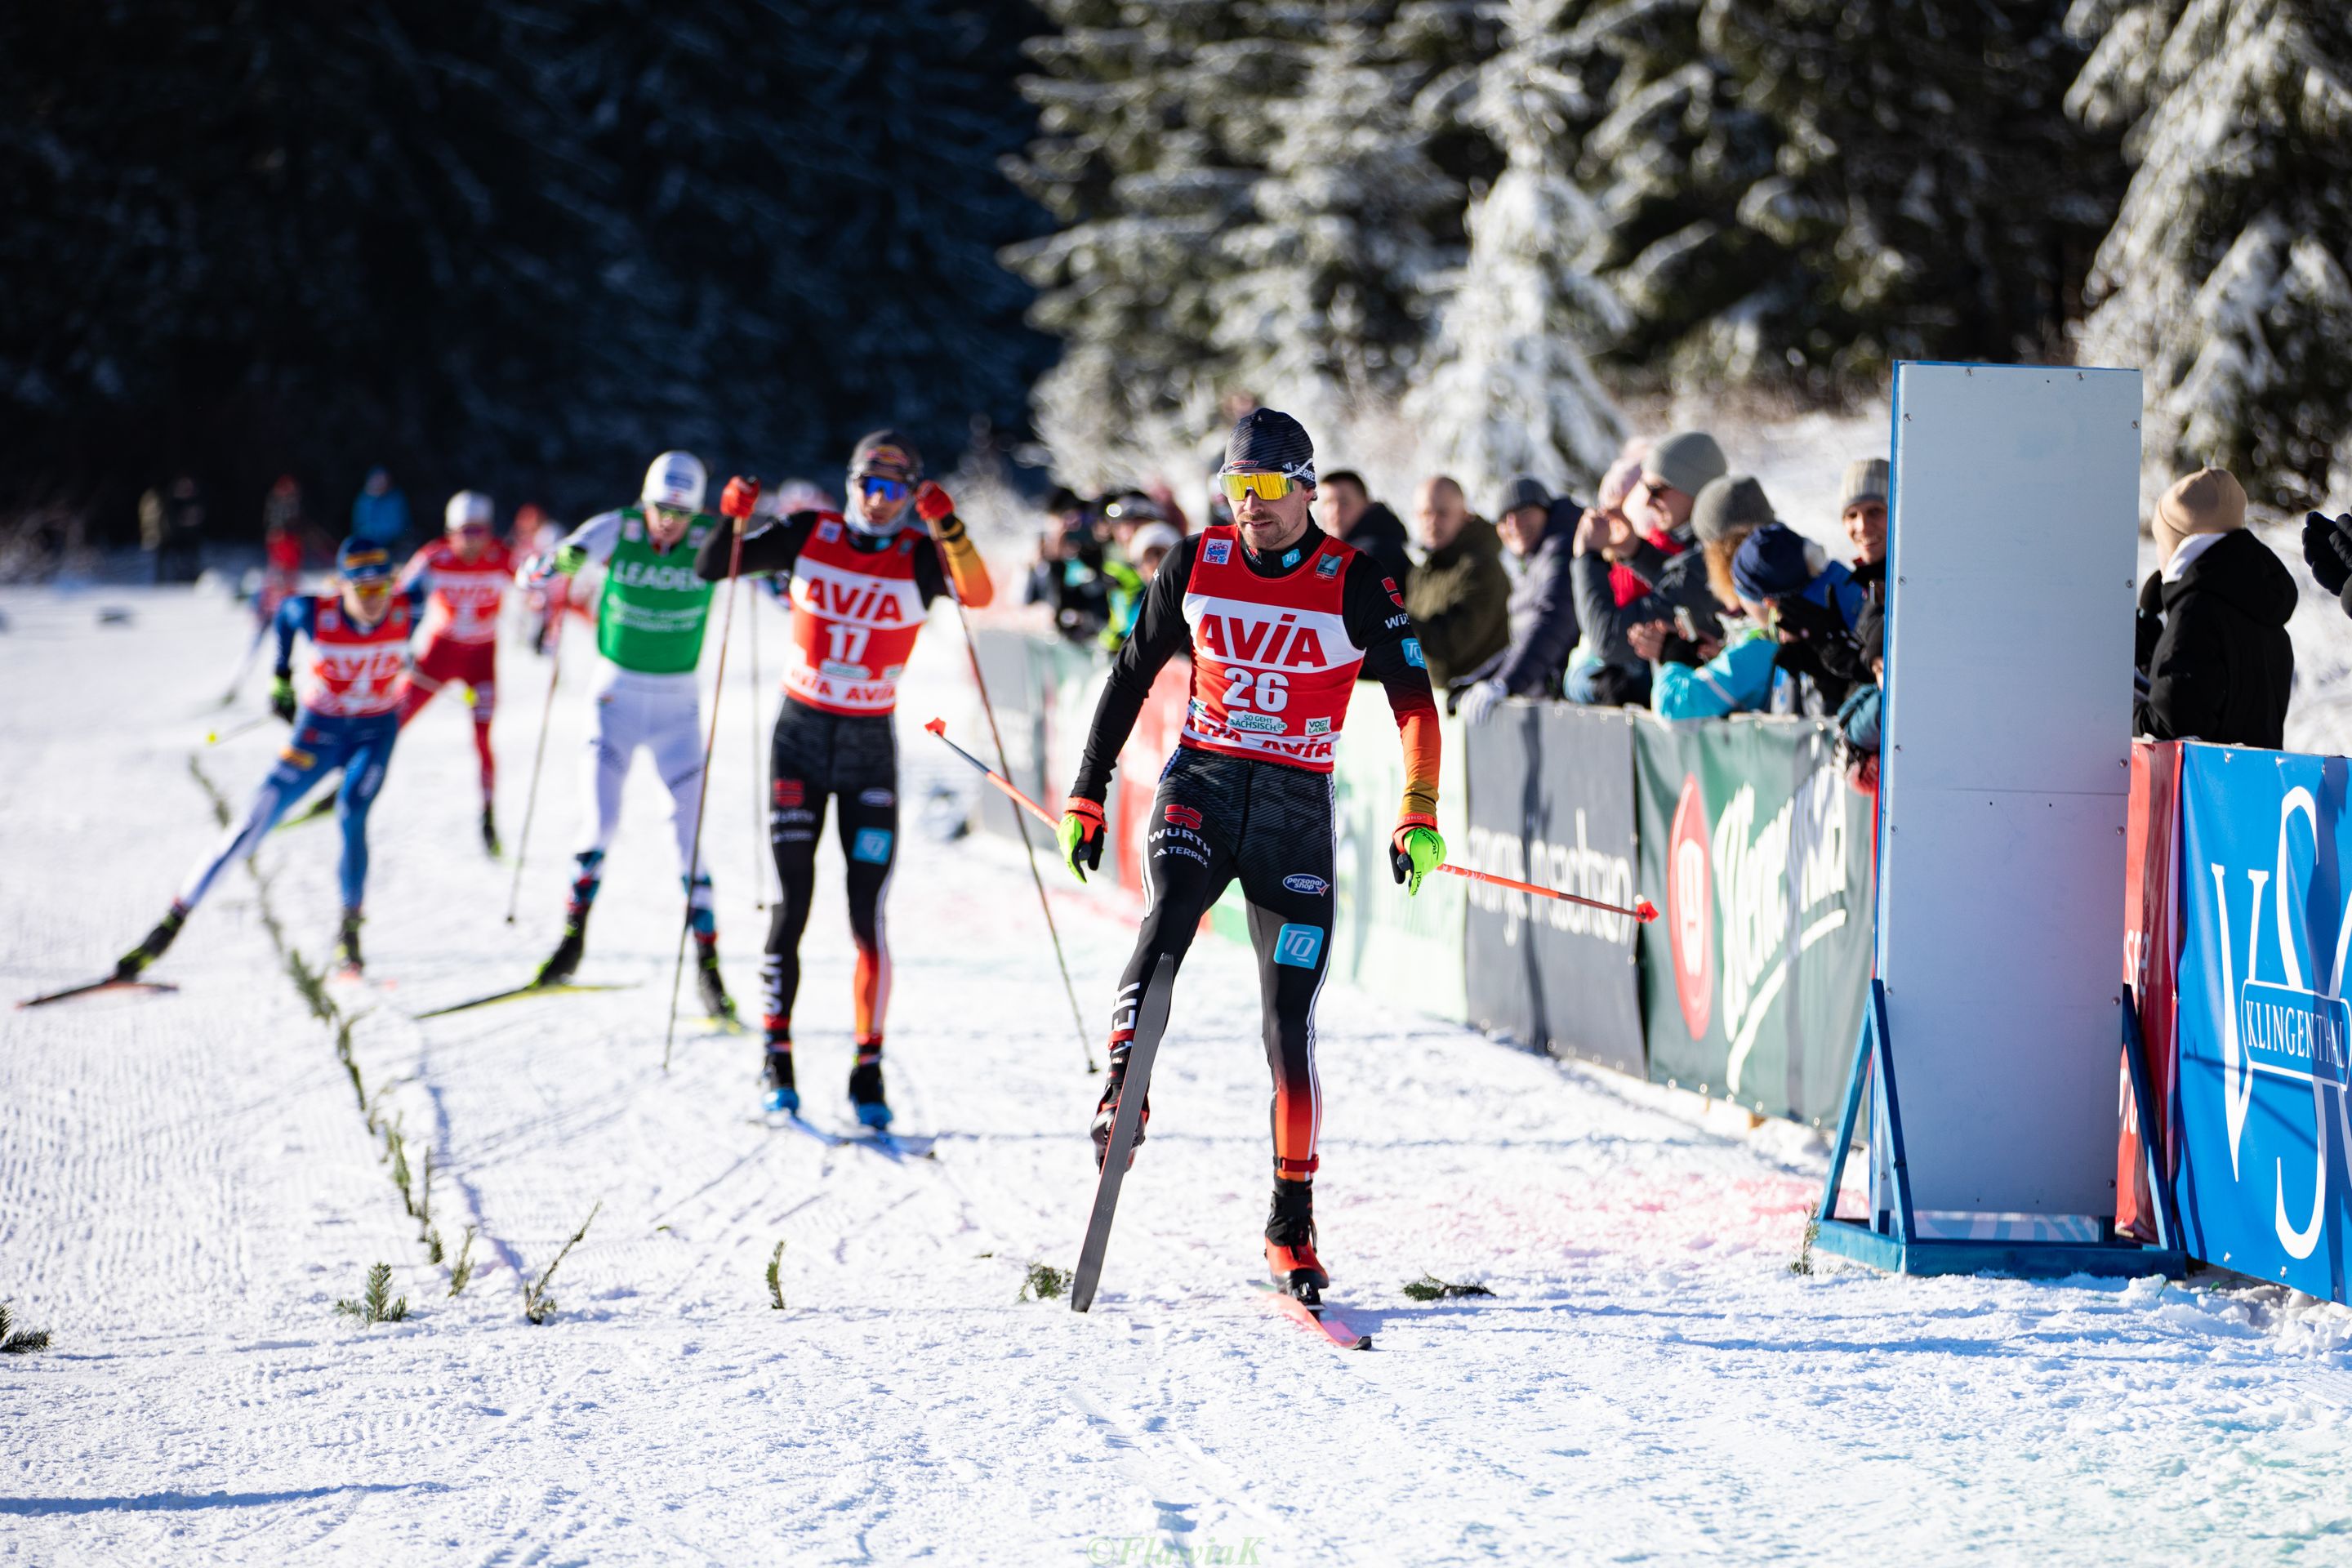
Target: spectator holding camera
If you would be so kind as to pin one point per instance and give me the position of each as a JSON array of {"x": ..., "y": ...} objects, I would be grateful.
[
  {"x": 1068, "y": 577},
  {"x": 1641, "y": 538},
  {"x": 1796, "y": 601}
]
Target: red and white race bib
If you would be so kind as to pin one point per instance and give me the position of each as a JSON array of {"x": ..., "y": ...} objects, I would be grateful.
[
  {"x": 857, "y": 614},
  {"x": 356, "y": 671},
  {"x": 1273, "y": 664},
  {"x": 463, "y": 596}
]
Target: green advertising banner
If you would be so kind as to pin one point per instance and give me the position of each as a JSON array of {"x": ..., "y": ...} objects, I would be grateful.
[{"x": 1758, "y": 854}]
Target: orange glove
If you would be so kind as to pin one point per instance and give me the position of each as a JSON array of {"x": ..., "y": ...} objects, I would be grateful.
[
  {"x": 931, "y": 504},
  {"x": 740, "y": 494}
]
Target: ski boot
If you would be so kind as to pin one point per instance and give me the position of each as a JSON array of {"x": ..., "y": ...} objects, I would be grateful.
[
  {"x": 151, "y": 947},
  {"x": 783, "y": 1098},
  {"x": 1107, "y": 1112},
  {"x": 490, "y": 831},
  {"x": 349, "y": 965},
  {"x": 1290, "y": 1242},
  {"x": 564, "y": 961},
  {"x": 720, "y": 1006},
  {"x": 865, "y": 1088}
]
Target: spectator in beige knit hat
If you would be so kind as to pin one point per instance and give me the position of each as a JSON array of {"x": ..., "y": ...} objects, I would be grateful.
[
  {"x": 2212, "y": 648},
  {"x": 1862, "y": 507}
]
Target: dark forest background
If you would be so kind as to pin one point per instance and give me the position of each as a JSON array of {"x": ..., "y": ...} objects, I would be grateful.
[{"x": 510, "y": 245}]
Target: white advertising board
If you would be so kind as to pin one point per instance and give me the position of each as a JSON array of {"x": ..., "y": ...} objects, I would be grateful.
[{"x": 2012, "y": 547}]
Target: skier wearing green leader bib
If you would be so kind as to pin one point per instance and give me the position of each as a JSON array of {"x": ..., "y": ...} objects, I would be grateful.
[{"x": 650, "y": 620}]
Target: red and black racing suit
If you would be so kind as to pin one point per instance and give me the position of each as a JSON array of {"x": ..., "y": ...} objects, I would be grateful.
[{"x": 1277, "y": 644}]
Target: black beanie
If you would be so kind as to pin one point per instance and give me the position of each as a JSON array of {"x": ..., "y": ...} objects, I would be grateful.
[{"x": 1265, "y": 439}]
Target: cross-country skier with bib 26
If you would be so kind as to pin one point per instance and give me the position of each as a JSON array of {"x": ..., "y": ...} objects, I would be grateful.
[
  {"x": 348, "y": 718},
  {"x": 862, "y": 580},
  {"x": 1278, "y": 617},
  {"x": 649, "y": 625}
]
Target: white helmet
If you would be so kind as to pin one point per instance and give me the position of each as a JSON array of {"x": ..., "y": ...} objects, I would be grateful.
[
  {"x": 677, "y": 479},
  {"x": 465, "y": 507}
]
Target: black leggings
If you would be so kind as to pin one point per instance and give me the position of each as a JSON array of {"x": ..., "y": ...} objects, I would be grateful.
[
  {"x": 1216, "y": 818},
  {"x": 819, "y": 756}
]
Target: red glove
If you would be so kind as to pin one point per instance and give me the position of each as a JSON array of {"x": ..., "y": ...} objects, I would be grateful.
[
  {"x": 931, "y": 504},
  {"x": 740, "y": 496}
]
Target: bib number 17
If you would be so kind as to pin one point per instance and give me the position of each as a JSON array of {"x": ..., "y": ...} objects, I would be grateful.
[{"x": 1273, "y": 689}]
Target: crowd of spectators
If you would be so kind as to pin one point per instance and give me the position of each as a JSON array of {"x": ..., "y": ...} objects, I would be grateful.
[{"x": 1680, "y": 588}]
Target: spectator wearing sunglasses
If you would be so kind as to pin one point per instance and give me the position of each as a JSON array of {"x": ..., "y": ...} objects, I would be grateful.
[{"x": 465, "y": 574}]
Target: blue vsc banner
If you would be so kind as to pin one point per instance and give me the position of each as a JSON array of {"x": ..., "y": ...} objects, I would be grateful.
[{"x": 2265, "y": 1035}]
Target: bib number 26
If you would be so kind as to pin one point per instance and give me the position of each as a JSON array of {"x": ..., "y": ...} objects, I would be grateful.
[{"x": 1273, "y": 689}]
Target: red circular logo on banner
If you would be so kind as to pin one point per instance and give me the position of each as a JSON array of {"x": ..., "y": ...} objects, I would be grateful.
[{"x": 1690, "y": 909}]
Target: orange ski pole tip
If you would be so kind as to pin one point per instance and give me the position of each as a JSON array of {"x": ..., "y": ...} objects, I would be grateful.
[
  {"x": 937, "y": 727},
  {"x": 1645, "y": 910}
]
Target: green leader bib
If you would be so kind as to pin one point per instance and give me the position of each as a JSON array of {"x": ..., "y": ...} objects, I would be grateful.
[{"x": 653, "y": 607}]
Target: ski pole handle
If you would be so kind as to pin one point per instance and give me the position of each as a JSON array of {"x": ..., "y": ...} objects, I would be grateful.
[
  {"x": 215, "y": 737},
  {"x": 939, "y": 727},
  {"x": 1643, "y": 909}
]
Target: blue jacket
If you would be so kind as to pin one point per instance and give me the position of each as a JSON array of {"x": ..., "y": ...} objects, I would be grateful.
[{"x": 1737, "y": 680}]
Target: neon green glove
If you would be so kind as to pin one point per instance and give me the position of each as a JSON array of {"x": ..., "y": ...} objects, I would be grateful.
[
  {"x": 1414, "y": 851},
  {"x": 1081, "y": 835},
  {"x": 569, "y": 559},
  {"x": 282, "y": 698}
]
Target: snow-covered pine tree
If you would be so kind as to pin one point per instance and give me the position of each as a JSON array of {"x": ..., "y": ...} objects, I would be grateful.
[
  {"x": 1154, "y": 120},
  {"x": 1667, "y": 165},
  {"x": 1511, "y": 391},
  {"x": 2224, "y": 276},
  {"x": 817, "y": 192},
  {"x": 1805, "y": 190},
  {"x": 1327, "y": 311}
]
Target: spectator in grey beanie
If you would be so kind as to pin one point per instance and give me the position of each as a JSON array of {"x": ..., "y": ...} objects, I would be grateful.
[
  {"x": 1862, "y": 508},
  {"x": 1538, "y": 528},
  {"x": 1677, "y": 620}
]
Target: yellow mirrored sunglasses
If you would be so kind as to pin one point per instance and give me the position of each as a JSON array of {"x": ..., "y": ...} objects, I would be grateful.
[{"x": 1265, "y": 486}]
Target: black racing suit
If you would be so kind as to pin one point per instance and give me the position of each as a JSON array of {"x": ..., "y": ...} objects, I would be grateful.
[
  {"x": 1217, "y": 817},
  {"x": 851, "y": 760}
]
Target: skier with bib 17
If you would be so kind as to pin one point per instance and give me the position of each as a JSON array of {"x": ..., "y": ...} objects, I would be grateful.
[
  {"x": 862, "y": 580},
  {"x": 649, "y": 624},
  {"x": 1278, "y": 617},
  {"x": 348, "y": 718}
]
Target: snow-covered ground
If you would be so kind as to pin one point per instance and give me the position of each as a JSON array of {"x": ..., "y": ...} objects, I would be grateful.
[{"x": 187, "y": 1185}]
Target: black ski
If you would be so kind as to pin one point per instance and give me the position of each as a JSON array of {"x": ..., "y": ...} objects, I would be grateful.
[
  {"x": 515, "y": 994},
  {"x": 1150, "y": 1020},
  {"x": 92, "y": 988}
]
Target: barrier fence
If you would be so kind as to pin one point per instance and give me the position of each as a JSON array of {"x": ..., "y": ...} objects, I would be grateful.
[{"x": 1743, "y": 831}]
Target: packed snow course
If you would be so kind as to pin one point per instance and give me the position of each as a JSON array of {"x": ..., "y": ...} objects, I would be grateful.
[{"x": 188, "y": 1184}]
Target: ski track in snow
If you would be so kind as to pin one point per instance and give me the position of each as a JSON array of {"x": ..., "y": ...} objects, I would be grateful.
[{"x": 186, "y": 1186}]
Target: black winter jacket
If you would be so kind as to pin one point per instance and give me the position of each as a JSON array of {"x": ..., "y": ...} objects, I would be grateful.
[
  {"x": 1379, "y": 535},
  {"x": 1542, "y": 612},
  {"x": 2223, "y": 667}
]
